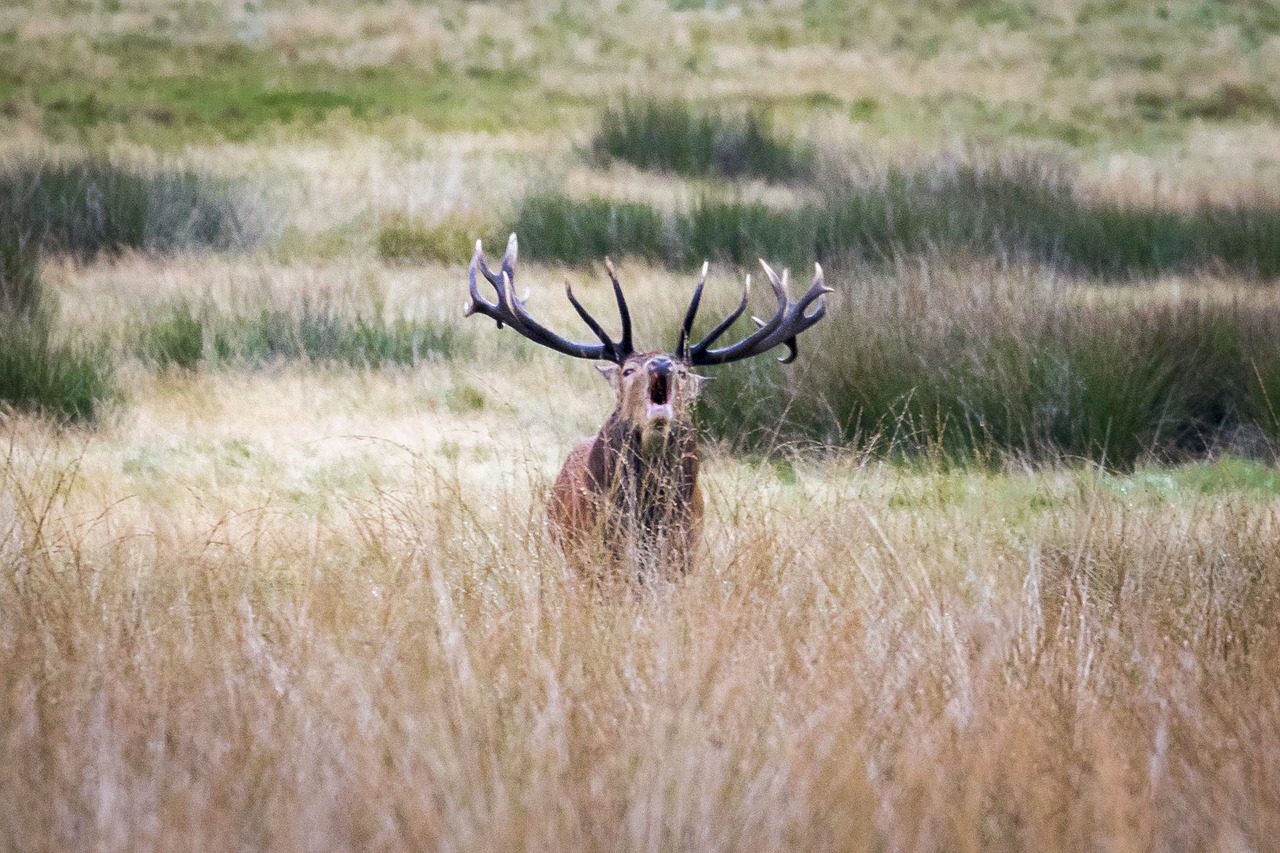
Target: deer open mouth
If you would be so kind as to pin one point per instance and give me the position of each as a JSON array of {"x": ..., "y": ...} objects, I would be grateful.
[
  {"x": 659, "y": 389},
  {"x": 660, "y": 410}
]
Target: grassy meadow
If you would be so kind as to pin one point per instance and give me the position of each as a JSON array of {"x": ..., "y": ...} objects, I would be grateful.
[{"x": 992, "y": 566}]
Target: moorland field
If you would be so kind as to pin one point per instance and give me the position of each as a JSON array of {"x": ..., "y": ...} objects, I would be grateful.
[{"x": 992, "y": 566}]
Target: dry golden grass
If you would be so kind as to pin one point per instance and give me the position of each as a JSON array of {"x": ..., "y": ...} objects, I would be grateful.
[{"x": 306, "y": 609}]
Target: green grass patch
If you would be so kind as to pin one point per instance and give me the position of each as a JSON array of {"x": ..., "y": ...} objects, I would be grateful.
[
  {"x": 166, "y": 90},
  {"x": 1019, "y": 207},
  {"x": 37, "y": 373},
  {"x": 676, "y": 136},
  {"x": 401, "y": 238},
  {"x": 923, "y": 372},
  {"x": 185, "y": 337},
  {"x": 1226, "y": 476},
  {"x": 84, "y": 208}
]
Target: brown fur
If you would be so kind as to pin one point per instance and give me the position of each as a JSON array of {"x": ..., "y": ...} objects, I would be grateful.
[{"x": 627, "y": 501}]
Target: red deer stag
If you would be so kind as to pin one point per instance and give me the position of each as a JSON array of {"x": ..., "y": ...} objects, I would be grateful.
[{"x": 628, "y": 498}]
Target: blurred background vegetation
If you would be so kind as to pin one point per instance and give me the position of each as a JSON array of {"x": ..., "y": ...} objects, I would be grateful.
[{"x": 976, "y": 176}]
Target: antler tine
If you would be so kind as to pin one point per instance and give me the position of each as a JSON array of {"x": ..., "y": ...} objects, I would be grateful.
[
  {"x": 790, "y": 320},
  {"x": 682, "y": 347},
  {"x": 478, "y": 304},
  {"x": 588, "y": 319},
  {"x": 723, "y": 326},
  {"x": 624, "y": 343},
  {"x": 509, "y": 257},
  {"x": 508, "y": 309},
  {"x": 780, "y": 289},
  {"x": 489, "y": 275},
  {"x": 702, "y": 352},
  {"x": 815, "y": 292},
  {"x": 520, "y": 320}
]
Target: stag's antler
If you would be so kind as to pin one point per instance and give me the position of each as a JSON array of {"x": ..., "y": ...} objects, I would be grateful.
[
  {"x": 509, "y": 309},
  {"x": 781, "y": 330}
]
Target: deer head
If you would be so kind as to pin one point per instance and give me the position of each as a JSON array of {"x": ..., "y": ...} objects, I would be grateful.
[{"x": 655, "y": 393}]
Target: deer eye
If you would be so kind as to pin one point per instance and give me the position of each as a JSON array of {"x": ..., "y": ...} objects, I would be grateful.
[{"x": 628, "y": 371}]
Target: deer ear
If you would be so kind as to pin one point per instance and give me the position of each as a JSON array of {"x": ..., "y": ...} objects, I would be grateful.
[{"x": 610, "y": 371}]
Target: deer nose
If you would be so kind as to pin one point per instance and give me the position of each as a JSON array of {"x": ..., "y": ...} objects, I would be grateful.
[{"x": 660, "y": 366}]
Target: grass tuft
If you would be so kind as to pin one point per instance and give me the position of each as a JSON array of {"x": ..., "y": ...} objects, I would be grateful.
[
  {"x": 928, "y": 364},
  {"x": 175, "y": 338},
  {"x": 37, "y": 373},
  {"x": 91, "y": 207},
  {"x": 1020, "y": 207},
  {"x": 675, "y": 136},
  {"x": 181, "y": 336}
]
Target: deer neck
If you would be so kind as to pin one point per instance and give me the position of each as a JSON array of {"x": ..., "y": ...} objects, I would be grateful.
[
  {"x": 652, "y": 445},
  {"x": 625, "y": 451}
]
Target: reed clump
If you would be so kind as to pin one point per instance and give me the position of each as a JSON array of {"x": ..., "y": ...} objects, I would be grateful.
[
  {"x": 1013, "y": 206},
  {"x": 972, "y": 363},
  {"x": 187, "y": 336},
  {"x": 86, "y": 207},
  {"x": 678, "y": 136},
  {"x": 40, "y": 370}
]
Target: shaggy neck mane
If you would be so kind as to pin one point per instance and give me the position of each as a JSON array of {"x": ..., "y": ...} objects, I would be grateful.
[{"x": 651, "y": 475}]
